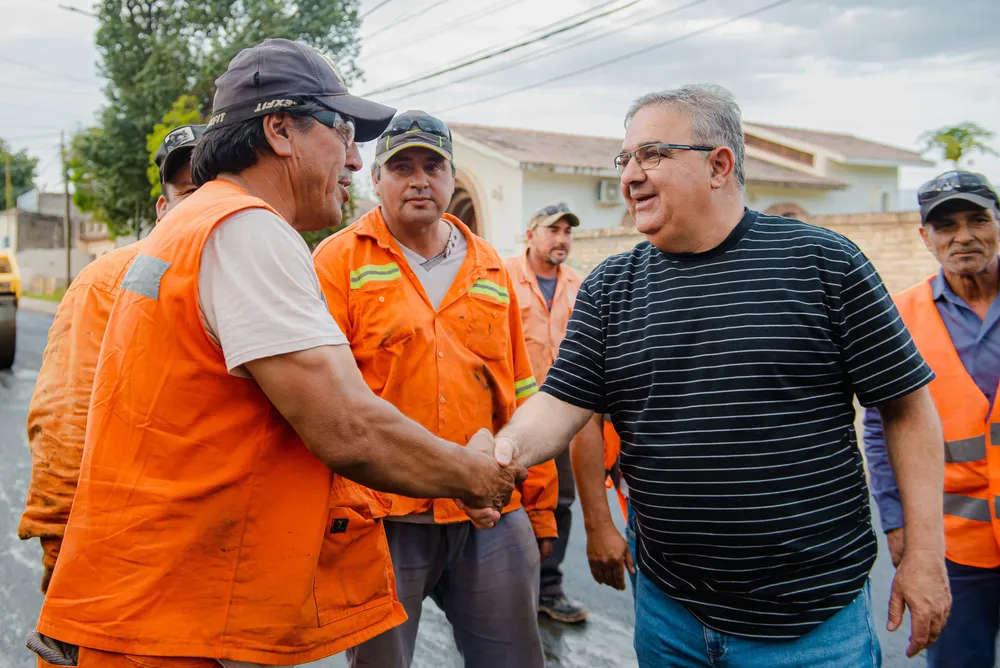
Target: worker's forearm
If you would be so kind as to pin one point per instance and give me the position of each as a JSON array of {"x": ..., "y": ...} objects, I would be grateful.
[
  {"x": 391, "y": 453},
  {"x": 916, "y": 451},
  {"x": 587, "y": 456},
  {"x": 542, "y": 428}
]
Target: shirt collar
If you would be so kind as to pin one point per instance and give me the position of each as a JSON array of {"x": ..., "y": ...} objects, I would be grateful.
[{"x": 939, "y": 286}]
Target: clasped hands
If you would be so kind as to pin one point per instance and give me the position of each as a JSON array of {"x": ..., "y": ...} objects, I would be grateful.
[{"x": 493, "y": 482}]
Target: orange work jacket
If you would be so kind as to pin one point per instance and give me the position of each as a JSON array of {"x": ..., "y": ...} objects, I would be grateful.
[
  {"x": 612, "y": 450},
  {"x": 455, "y": 369},
  {"x": 971, "y": 434},
  {"x": 202, "y": 525},
  {"x": 57, "y": 415},
  {"x": 544, "y": 329}
]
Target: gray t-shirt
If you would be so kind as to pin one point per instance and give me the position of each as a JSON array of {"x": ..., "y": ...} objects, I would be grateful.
[
  {"x": 436, "y": 274},
  {"x": 258, "y": 291}
]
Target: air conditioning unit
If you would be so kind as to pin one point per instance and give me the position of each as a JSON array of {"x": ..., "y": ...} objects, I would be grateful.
[{"x": 609, "y": 191}]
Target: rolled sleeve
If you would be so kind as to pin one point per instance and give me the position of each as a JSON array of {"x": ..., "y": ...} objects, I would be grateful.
[{"x": 577, "y": 376}]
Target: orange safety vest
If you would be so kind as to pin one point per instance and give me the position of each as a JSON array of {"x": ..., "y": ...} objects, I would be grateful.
[
  {"x": 971, "y": 430},
  {"x": 202, "y": 525},
  {"x": 612, "y": 450}
]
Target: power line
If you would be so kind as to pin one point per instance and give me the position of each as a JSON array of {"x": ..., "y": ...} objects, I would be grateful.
[
  {"x": 373, "y": 9},
  {"x": 500, "y": 52},
  {"x": 598, "y": 34},
  {"x": 70, "y": 8},
  {"x": 439, "y": 30},
  {"x": 403, "y": 20},
  {"x": 617, "y": 59},
  {"x": 31, "y": 66},
  {"x": 61, "y": 91}
]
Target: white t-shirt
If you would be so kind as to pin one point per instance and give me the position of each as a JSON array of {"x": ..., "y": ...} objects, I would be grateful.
[{"x": 258, "y": 292}]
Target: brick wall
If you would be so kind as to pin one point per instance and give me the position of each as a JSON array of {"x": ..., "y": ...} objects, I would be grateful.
[{"x": 890, "y": 240}]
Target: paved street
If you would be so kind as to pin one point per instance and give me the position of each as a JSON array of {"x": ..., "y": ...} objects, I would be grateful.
[{"x": 605, "y": 640}]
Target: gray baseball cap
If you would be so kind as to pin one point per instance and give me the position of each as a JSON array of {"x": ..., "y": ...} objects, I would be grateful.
[
  {"x": 953, "y": 185},
  {"x": 279, "y": 74}
]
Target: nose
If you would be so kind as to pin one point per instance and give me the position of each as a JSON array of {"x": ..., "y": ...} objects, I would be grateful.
[
  {"x": 631, "y": 174},
  {"x": 354, "y": 161}
]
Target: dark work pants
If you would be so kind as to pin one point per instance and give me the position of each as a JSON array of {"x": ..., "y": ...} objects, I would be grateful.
[
  {"x": 969, "y": 639},
  {"x": 551, "y": 581}
]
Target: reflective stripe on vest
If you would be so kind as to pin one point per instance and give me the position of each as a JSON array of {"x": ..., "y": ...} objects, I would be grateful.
[
  {"x": 490, "y": 289},
  {"x": 374, "y": 272},
  {"x": 965, "y": 450},
  {"x": 967, "y": 507}
]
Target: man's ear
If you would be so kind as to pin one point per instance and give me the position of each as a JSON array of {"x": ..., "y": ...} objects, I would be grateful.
[
  {"x": 277, "y": 131},
  {"x": 722, "y": 162},
  {"x": 161, "y": 207}
]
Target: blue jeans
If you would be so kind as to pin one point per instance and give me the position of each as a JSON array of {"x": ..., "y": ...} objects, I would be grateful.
[
  {"x": 667, "y": 635},
  {"x": 630, "y": 539},
  {"x": 969, "y": 639}
]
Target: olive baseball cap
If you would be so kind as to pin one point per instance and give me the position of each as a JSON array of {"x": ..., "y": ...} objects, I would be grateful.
[
  {"x": 411, "y": 129},
  {"x": 176, "y": 147},
  {"x": 279, "y": 74},
  {"x": 552, "y": 214}
]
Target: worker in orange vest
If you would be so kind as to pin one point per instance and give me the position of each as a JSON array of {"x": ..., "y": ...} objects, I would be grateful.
[
  {"x": 546, "y": 289},
  {"x": 214, "y": 521},
  {"x": 57, "y": 415},
  {"x": 434, "y": 324},
  {"x": 611, "y": 557},
  {"x": 953, "y": 317}
]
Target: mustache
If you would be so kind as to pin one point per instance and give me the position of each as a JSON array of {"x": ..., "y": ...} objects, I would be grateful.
[{"x": 346, "y": 177}]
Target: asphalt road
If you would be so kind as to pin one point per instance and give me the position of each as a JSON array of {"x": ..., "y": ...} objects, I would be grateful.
[{"x": 604, "y": 641}]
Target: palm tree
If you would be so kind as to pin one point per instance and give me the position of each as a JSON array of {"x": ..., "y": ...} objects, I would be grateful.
[{"x": 959, "y": 141}]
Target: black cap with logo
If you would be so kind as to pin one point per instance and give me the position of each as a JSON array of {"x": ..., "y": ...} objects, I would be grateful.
[
  {"x": 279, "y": 74},
  {"x": 176, "y": 147},
  {"x": 957, "y": 185}
]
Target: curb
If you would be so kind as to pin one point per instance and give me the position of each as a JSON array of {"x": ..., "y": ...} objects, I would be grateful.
[{"x": 38, "y": 306}]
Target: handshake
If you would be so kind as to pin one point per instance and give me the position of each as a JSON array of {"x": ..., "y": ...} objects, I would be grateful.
[{"x": 493, "y": 483}]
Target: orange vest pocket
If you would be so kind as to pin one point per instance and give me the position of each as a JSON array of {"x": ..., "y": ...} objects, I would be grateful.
[
  {"x": 380, "y": 316},
  {"x": 487, "y": 333}
]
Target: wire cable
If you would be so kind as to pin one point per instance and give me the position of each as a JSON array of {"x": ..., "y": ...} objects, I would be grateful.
[
  {"x": 499, "y": 52},
  {"x": 571, "y": 44},
  {"x": 30, "y": 66},
  {"x": 399, "y": 22},
  {"x": 618, "y": 59},
  {"x": 373, "y": 9}
]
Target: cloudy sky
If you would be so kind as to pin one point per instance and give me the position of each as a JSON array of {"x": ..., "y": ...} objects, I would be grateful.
[{"x": 885, "y": 70}]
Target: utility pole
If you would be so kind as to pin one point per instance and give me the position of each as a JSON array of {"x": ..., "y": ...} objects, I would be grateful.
[
  {"x": 66, "y": 222},
  {"x": 8, "y": 186}
]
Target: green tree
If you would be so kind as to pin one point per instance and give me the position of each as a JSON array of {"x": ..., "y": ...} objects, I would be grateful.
[
  {"x": 152, "y": 52},
  {"x": 22, "y": 173},
  {"x": 184, "y": 111},
  {"x": 958, "y": 141}
]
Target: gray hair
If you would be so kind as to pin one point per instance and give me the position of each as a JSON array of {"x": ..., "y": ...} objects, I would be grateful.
[{"x": 715, "y": 117}]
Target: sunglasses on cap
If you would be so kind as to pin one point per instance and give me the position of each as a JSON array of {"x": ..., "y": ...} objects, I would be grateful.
[
  {"x": 404, "y": 123},
  {"x": 551, "y": 210},
  {"x": 951, "y": 182}
]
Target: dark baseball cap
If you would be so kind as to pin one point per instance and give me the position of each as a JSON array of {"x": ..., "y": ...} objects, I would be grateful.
[
  {"x": 177, "y": 146},
  {"x": 279, "y": 74},
  {"x": 956, "y": 185},
  {"x": 412, "y": 129}
]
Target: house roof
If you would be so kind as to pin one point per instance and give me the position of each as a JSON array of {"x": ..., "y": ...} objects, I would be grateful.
[
  {"x": 533, "y": 147},
  {"x": 845, "y": 144}
]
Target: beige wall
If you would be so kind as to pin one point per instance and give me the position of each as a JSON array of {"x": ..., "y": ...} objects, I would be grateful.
[{"x": 890, "y": 240}]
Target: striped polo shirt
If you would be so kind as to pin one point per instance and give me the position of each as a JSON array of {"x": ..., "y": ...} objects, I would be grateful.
[{"x": 730, "y": 377}]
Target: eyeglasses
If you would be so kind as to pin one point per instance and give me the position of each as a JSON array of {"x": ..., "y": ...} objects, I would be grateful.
[
  {"x": 966, "y": 182},
  {"x": 342, "y": 124},
  {"x": 649, "y": 155},
  {"x": 404, "y": 123}
]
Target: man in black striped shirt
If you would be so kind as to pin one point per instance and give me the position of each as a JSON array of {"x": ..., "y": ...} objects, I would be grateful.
[{"x": 728, "y": 348}]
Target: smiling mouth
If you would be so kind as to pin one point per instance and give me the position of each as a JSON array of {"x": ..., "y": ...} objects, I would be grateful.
[{"x": 640, "y": 199}]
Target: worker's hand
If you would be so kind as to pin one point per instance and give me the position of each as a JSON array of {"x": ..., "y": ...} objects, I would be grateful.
[
  {"x": 609, "y": 556},
  {"x": 494, "y": 483},
  {"x": 895, "y": 540},
  {"x": 921, "y": 584},
  {"x": 545, "y": 548},
  {"x": 46, "y": 578}
]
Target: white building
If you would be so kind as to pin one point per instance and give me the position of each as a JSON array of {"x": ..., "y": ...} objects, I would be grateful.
[{"x": 505, "y": 174}]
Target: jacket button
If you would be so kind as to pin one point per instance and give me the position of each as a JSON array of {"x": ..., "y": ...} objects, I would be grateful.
[
  {"x": 495, "y": 315},
  {"x": 381, "y": 299},
  {"x": 440, "y": 353},
  {"x": 442, "y": 400}
]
